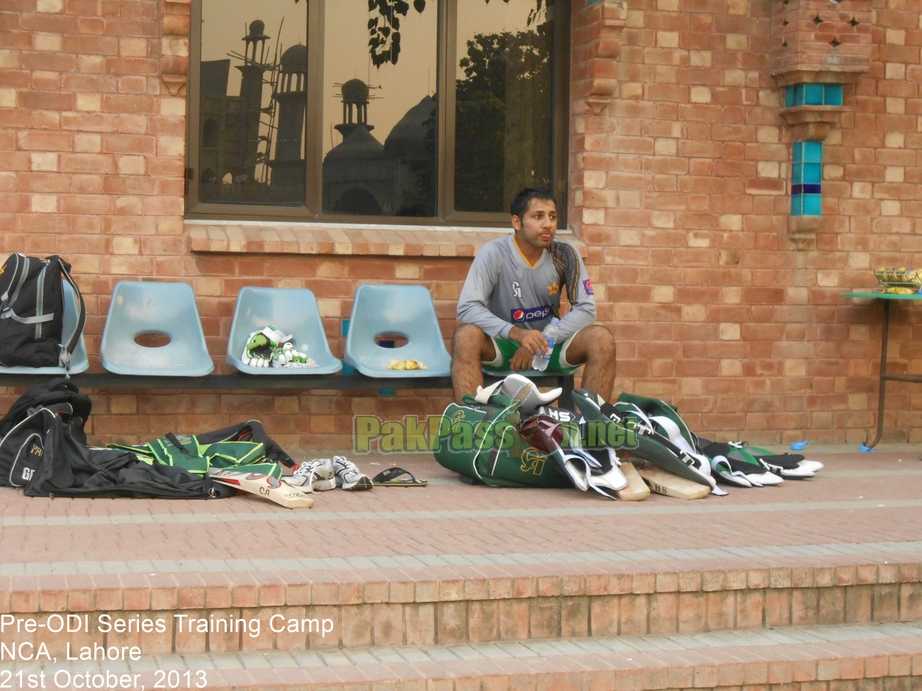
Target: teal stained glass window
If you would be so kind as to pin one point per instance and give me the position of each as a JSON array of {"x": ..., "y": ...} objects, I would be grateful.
[
  {"x": 807, "y": 179},
  {"x": 813, "y": 95}
]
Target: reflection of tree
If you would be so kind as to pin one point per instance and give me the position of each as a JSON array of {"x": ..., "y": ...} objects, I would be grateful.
[
  {"x": 384, "y": 30},
  {"x": 502, "y": 130}
]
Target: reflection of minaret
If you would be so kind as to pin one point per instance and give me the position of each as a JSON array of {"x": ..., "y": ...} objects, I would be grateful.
[
  {"x": 357, "y": 179},
  {"x": 355, "y": 107},
  {"x": 251, "y": 96},
  {"x": 288, "y": 167}
]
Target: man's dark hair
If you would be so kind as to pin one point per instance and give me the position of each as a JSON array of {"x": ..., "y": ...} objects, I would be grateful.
[{"x": 523, "y": 199}]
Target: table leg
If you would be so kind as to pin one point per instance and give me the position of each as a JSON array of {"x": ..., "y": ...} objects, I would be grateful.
[{"x": 881, "y": 400}]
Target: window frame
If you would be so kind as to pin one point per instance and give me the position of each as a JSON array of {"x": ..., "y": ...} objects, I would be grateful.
[{"x": 447, "y": 59}]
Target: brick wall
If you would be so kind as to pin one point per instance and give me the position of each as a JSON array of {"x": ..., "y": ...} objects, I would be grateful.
[
  {"x": 683, "y": 184},
  {"x": 679, "y": 186}
]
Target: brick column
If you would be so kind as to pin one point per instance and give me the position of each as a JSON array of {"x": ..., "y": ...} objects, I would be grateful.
[{"x": 596, "y": 45}]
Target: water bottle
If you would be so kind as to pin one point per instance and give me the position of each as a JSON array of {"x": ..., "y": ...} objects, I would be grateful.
[{"x": 550, "y": 333}]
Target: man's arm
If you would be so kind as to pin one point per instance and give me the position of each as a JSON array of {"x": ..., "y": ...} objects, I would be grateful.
[{"x": 478, "y": 286}]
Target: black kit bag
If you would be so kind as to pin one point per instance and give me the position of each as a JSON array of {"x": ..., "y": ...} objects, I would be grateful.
[
  {"x": 23, "y": 447},
  {"x": 51, "y": 395},
  {"x": 26, "y": 425},
  {"x": 41, "y": 455},
  {"x": 71, "y": 469},
  {"x": 43, "y": 450},
  {"x": 32, "y": 312}
]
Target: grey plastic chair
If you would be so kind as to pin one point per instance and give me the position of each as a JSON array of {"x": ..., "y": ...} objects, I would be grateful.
[
  {"x": 79, "y": 362},
  {"x": 292, "y": 310},
  {"x": 401, "y": 310},
  {"x": 161, "y": 309}
]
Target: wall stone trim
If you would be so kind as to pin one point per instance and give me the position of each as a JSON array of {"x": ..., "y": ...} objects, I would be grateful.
[
  {"x": 596, "y": 46},
  {"x": 174, "y": 46},
  {"x": 255, "y": 237}
]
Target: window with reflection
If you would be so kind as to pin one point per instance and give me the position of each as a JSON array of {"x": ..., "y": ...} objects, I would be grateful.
[
  {"x": 435, "y": 111},
  {"x": 502, "y": 103},
  {"x": 379, "y": 123},
  {"x": 252, "y": 99}
]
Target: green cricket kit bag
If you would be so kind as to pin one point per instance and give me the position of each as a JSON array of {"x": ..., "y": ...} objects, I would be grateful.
[
  {"x": 508, "y": 436},
  {"x": 245, "y": 447},
  {"x": 482, "y": 441},
  {"x": 32, "y": 312}
]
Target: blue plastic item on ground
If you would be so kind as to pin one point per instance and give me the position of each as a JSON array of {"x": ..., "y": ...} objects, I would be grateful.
[
  {"x": 79, "y": 362},
  {"x": 161, "y": 310},
  {"x": 395, "y": 310},
  {"x": 291, "y": 310},
  {"x": 799, "y": 445}
]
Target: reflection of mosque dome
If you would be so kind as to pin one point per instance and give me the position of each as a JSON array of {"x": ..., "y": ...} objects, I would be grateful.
[
  {"x": 407, "y": 141},
  {"x": 355, "y": 91},
  {"x": 295, "y": 59},
  {"x": 360, "y": 144}
]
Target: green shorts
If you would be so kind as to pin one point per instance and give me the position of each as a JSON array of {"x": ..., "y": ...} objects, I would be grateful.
[{"x": 505, "y": 349}]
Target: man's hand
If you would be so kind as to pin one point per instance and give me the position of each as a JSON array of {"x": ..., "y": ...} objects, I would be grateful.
[
  {"x": 529, "y": 339},
  {"x": 531, "y": 343},
  {"x": 521, "y": 360}
]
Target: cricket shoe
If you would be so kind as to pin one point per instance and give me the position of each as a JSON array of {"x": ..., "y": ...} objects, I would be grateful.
[
  {"x": 348, "y": 476},
  {"x": 317, "y": 475}
]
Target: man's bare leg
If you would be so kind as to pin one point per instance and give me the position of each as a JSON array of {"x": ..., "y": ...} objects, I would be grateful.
[
  {"x": 594, "y": 346},
  {"x": 469, "y": 347}
]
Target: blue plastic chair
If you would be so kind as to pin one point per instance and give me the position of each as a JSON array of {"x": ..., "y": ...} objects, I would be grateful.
[
  {"x": 400, "y": 310},
  {"x": 79, "y": 362},
  {"x": 292, "y": 310},
  {"x": 163, "y": 309}
]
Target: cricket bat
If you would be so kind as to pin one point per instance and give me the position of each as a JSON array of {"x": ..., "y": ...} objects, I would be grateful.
[
  {"x": 264, "y": 486},
  {"x": 670, "y": 484},
  {"x": 636, "y": 487}
]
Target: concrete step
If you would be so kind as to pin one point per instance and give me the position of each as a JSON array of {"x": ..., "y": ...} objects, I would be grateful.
[
  {"x": 872, "y": 656},
  {"x": 230, "y": 612}
]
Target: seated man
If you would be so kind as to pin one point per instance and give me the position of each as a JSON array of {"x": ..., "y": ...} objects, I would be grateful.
[{"x": 511, "y": 293}]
